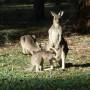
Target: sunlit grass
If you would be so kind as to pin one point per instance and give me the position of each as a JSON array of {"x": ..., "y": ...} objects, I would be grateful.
[{"x": 75, "y": 77}]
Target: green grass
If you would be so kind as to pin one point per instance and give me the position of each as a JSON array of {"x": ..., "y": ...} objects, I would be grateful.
[{"x": 75, "y": 77}]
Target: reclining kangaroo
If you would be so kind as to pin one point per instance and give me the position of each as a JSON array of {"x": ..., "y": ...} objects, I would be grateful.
[
  {"x": 29, "y": 44},
  {"x": 56, "y": 40}
]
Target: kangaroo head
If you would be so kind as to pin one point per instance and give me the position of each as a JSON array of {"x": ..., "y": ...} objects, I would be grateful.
[{"x": 56, "y": 17}]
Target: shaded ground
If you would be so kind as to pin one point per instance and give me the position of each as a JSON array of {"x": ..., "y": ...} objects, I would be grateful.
[{"x": 23, "y": 14}]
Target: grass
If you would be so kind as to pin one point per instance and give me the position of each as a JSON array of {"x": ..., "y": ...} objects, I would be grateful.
[{"x": 75, "y": 77}]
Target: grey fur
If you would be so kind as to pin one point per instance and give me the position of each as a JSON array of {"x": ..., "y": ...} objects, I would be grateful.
[
  {"x": 29, "y": 44},
  {"x": 55, "y": 31},
  {"x": 37, "y": 59}
]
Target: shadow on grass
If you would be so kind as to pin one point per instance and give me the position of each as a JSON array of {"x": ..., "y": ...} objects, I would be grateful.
[
  {"x": 68, "y": 65},
  {"x": 74, "y": 83}
]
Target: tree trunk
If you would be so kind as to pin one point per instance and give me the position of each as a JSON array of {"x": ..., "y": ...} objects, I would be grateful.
[{"x": 39, "y": 9}]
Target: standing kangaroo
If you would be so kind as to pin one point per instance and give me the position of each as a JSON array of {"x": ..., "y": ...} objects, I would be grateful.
[
  {"x": 56, "y": 40},
  {"x": 55, "y": 31},
  {"x": 29, "y": 44}
]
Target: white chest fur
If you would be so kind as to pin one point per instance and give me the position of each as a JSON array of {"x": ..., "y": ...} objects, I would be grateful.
[{"x": 54, "y": 34}]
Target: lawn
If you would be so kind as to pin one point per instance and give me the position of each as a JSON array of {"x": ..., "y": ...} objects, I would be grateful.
[{"x": 76, "y": 76}]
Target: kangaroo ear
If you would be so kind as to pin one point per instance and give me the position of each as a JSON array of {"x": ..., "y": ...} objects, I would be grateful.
[
  {"x": 52, "y": 13},
  {"x": 33, "y": 36},
  {"x": 60, "y": 13}
]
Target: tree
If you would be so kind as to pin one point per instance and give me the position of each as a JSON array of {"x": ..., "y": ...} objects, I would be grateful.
[{"x": 39, "y": 9}]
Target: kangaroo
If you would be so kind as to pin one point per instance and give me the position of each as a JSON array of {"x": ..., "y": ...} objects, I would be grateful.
[
  {"x": 61, "y": 52},
  {"x": 29, "y": 44},
  {"x": 55, "y": 31},
  {"x": 37, "y": 59}
]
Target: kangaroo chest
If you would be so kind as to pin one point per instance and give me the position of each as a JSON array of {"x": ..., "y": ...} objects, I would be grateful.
[{"x": 54, "y": 34}]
